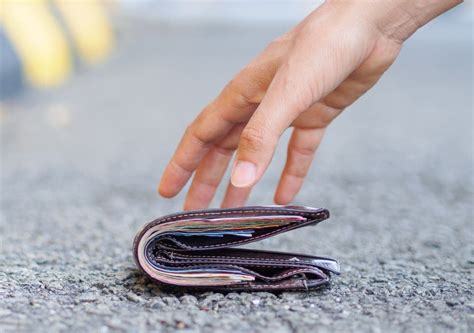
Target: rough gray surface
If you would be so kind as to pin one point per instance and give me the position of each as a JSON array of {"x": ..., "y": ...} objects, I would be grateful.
[{"x": 80, "y": 166}]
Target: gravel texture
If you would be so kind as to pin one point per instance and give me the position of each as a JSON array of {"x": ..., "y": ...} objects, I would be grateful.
[{"x": 80, "y": 166}]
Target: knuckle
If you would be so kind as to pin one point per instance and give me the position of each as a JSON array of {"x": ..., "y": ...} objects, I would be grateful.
[
  {"x": 305, "y": 151},
  {"x": 298, "y": 168},
  {"x": 324, "y": 120},
  {"x": 247, "y": 86},
  {"x": 330, "y": 111},
  {"x": 180, "y": 166},
  {"x": 295, "y": 173},
  {"x": 194, "y": 133},
  {"x": 225, "y": 149},
  {"x": 235, "y": 87},
  {"x": 252, "y": 139},
  {"x": 200, "y": 120},
  {"x": 300, "y": 90}
]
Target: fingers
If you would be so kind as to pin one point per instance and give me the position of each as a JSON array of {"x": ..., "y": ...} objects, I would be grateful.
[
  {"x": 301, "y": 149},
  {"x": 211, "y": 170},
  {"x": 210, "y": 126},
  {"x": 207, "y": 178},
  {"x": 234, "y": 105},
  {"x": 300, "y": 82},
  {"x": 257, "y": 144},
  {"x": 235, "y": 196},
  {"x": 319, "y": 115}
]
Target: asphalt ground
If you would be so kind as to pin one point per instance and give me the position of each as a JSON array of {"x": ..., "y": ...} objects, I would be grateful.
[{"x": 80, "y": 165}]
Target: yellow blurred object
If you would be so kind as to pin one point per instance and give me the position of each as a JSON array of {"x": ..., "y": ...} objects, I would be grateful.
[
  {"x": 38, "y": 40},
  {"x": 89, "y": 27}
]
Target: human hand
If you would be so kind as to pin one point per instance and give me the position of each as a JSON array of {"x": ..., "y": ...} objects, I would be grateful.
[{"x": 303, "y": 79}]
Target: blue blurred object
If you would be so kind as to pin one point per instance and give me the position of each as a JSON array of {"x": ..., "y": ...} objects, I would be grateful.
[{"x": 11, "y": 74}]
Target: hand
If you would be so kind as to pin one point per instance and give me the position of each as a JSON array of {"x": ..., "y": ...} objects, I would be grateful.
[{"x": 304, "y": 79}]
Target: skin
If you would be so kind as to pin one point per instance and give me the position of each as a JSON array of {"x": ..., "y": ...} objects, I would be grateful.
[{"x": 304, "y": 79}]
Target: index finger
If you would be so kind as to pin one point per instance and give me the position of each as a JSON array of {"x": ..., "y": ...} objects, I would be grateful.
[
  {"x": 215, "y": 121},
  {"x": 198, "y": 138}
]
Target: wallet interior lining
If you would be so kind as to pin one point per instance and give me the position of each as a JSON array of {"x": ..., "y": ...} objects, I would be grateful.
[{"x": 197, "y": 242}]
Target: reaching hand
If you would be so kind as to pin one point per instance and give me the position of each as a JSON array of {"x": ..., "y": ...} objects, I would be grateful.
[{"x": 303, "y": 79}]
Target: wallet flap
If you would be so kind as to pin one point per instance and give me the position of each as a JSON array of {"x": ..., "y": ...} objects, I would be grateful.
[{"x": 172, "y": 233}]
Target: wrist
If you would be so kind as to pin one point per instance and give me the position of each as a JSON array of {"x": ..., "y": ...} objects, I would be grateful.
[
  {"x": 417, "y": 13},
  {"x": 397, "y": 19}
]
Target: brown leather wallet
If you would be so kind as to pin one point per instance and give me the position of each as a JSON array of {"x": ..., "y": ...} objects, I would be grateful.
[{"x": 192, "y": 249}]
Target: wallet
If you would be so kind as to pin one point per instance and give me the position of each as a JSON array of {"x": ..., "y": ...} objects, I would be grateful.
[{"x": 196, "y": 249}]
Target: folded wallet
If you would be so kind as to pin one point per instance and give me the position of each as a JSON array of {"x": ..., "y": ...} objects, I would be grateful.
[{"x": 195, "y": 249}]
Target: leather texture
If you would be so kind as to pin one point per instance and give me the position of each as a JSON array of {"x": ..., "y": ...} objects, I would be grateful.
[{"x": 196, "y": 249}]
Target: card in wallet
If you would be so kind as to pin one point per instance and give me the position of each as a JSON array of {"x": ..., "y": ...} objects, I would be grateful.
[{"x": 196, "y": 249}]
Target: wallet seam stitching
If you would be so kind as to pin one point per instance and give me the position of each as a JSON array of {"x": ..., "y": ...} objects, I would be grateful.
[
  {"x": 238, "y": 258},
  {"x": 177, "y": 264},
  {"x": 170, "y": 218}
]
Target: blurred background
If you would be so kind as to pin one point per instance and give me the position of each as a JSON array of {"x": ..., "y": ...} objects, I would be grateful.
[
  {"x": 103, "y": 87},
  {"x": 94, "y": 97},
  {"x": 100, "y": 92},
  {"x": 44, "y": 42}
]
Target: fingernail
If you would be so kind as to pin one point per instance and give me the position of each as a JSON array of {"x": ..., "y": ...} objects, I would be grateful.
[{"x": 243, "y": 174}]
